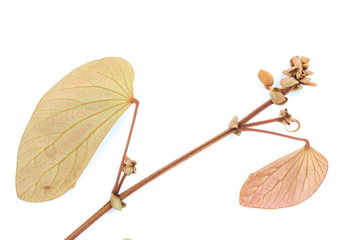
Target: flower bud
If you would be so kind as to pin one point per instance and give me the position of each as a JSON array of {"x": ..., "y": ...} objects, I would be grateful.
[
  {"x": 234, "y": 122},
  {"x": 277, "y": 96},
  {"x": 266, "y": 78},
  {"x": 304, "y": 60},
  {"x": 116, "y": 202},
  {"x": 288, "y": 82}
]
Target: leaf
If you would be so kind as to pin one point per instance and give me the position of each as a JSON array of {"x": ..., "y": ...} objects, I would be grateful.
[
  {"x": 68, "y": 125},
  {"x": 286, "y": 182}
]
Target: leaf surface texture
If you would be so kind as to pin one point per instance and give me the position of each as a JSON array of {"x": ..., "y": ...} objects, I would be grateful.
[
  {"x": 286, "y": 182},
  {"x": 68, "y": 125}
]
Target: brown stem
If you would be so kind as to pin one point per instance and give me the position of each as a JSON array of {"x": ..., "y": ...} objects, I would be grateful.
[
  {"x": 122, "y": 180},
  {"x": 171, "y": 165},
  {"x": 261, "y": 122},
  {"x": 277, "y": 134},
  {"x": 148, "y": 179},
  {"x": 176, "y": 162},
  {"x": 259, "y": 109},
  {"x": 90, "y": 221},
  {"x": 188, "y": 155},
  {"x": 117, "y": 186}
]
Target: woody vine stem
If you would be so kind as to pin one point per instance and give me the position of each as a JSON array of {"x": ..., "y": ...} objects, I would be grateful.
[
  {"x": 241, "y": 126},
  {"x": 297, "y": 76}
]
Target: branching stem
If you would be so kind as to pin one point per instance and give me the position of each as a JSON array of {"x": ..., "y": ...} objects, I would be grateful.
[
  {"x": 118, "y": 184},
  {"x": 128, "y": 192}
]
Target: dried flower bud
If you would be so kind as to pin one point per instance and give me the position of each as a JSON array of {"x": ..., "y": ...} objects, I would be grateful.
[
  {"x": 287, "y": 120},
  {"x": 299, "y": 75},
  {"x": 305, "y": 66},
  {"x": 308, "y": 72},
  {"x": 304, "y": 80},
  {"x": 304, "y": 60},
  {"x": 295, "y": 61},
  {"x": 310, "y": 84},
  {"x": 291, "y": 71},
  {"x": 285, "y": 116},
  {"x": 297, "y": 87},
  {"x": 266, "y": 78},
  {"x": 299, "y": 71},
  {"x": 277, "y": 96},
  {"x": 129, "y": 166},
  {"x": 238, "y": 133},
  {"x": 234, "y": 122},
  {"x": 116, "y": 202},
  {"x": 288, "y": 82}
]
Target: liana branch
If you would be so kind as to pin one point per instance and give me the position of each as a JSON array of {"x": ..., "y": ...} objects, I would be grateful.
[{"x": 171, "y": 165}]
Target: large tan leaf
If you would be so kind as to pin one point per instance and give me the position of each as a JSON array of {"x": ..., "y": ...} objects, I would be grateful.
[
  {"x": 286, "y": 182},
  {"x": 69, "y": 124}
]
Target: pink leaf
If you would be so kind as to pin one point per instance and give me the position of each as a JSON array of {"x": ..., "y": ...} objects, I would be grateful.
[{"x": 286, "y": 182}]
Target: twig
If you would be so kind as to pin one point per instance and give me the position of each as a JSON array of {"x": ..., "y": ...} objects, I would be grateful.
[
  {"x": 261, "y": 122},
  {"x": 171, "y": 165},
  {"x": 277, "y": 134},
  {"x": 117, "y": 186}
]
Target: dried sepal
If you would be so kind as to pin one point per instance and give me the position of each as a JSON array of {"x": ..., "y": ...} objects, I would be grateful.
[
  {"x": 277, "y": 96},
  {"x": 308, "y": 72},
  {"x": 116, "y": 202},
  {"x": 291, "y": 71},
  {"x": 313, "y": 84},
  {"x": 305, "y": 66},
  {"x": 288, "y": 82},
  {"x": 238, "y": 133},
  {"x": 129, "y": 166},
  {"x": 299, "y": 74},
  {"x": 299, "y": 71},
  {"x": 233, "y": 123},
  {"x": 286, "y": 182},
  {"x": 285, "y": 117},
  {"x": 297, "y": 87},
  {"x": 304, "y": 60},
  {"x": 304, "y": 80},
  {"x": 266, "y": 78},
  {"x": 295, "y": 61}
]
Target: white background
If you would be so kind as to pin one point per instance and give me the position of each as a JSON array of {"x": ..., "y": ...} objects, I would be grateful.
[{"x": 196, "y": 65}]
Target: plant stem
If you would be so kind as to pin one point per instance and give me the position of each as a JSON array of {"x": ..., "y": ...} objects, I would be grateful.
[
  {"x": 171, "y": 165},
  {"x": 259, "y": 109},
  {"x": 261, "y": 122},
  {"x": 117, "y": 186},
  {"x": 176, "y": 162},
  {"x": 148, "y": 179},
  {"x": 277, "y": 134},
  {"x": 122, "y": 180},
  {"x": 90, "y": 221}
]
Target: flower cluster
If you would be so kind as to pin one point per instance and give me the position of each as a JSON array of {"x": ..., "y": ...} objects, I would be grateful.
[
  {"x": 297, "y": 76},
  {"x": 129, "y": 166},
  {"x": 298, "y": 73},
  {"x": 287, "y": 119}
]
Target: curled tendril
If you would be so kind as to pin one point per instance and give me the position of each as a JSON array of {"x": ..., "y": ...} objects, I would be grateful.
[
  {"x": 287, "y": 119},
  {"x": 295, "y": 121}
]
